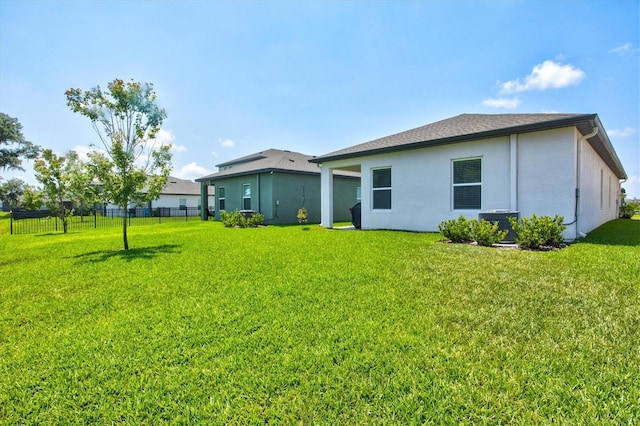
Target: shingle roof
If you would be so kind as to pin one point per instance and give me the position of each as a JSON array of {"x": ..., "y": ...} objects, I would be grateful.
[
  {"x": 467, "y": 127},
  {"x": 266, "y": 161},
  {"x": 177, "y": 186}
]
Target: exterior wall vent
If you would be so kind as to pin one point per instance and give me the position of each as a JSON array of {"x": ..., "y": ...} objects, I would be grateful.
[{"x": 501, "y": 216}]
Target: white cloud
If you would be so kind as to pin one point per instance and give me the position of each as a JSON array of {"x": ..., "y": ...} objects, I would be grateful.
[
  {"x": 178, "y": 148},
  {"x": 191, "y": 171},
  {"x": 164, "y": 137},
  {"x": 83, "y": 150},
  {"x": 502, "y": 103},
  {"x": 227, "y": 143},
  {"x": 622, "y": 133},
  {"x": 625, "y": 48},
  {"x": 547, "y": 75}
]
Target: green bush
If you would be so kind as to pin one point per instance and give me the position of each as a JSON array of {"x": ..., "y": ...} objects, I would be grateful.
[
  {"x": 456, "y": 230},
  {"x": 255, "y": 220},
  {"x": 238, "y": 220},
  {"x": 486, "y": 233},
  {"x": 627, "y": 210},
  {"x": 537, "y": 232}
]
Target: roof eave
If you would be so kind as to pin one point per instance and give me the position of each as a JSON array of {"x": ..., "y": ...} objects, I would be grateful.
[{"x": 525, "y": 128}]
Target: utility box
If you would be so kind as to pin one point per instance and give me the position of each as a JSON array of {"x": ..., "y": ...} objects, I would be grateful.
[{"x": 501, "y": 216}]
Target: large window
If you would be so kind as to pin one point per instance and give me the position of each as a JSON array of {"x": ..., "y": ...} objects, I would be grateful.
[
  {"x": 246, "y": 196},
  {"x": 381, "y": 188},
  {"x": 221, "y": 199},
  {"x": 467, "y": 184},
  {"x": 183, "y": 203}
]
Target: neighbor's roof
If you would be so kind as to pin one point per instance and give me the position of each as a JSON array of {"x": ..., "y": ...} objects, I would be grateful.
[
  {"x": 177, "y": 186},
  {"x": 466, "y": 127},
  {"x": 268, "y": 161}
]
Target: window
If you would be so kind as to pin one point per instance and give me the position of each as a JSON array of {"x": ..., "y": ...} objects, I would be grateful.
[
  {"x": 381, "y": 188},
  {"x": 221, "y": 199},
  {"x": 358, "y": 193},
  {"x": 467, "y": 184},
  {"x": 246, "y": 196},
  {"x": 183, "y": 203}
]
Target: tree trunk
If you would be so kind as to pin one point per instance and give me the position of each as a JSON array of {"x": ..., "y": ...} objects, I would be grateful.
[{"x": 124, "y": 228}]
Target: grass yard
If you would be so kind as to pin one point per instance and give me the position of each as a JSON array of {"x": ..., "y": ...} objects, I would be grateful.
[{"x": 202, "y": 324}]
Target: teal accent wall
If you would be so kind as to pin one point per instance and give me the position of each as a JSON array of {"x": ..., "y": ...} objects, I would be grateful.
[{"x": 278, "y": 196}]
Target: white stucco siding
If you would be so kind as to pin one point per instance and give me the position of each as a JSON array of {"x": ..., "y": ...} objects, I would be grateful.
[
  {"x": 547, "y": 176},
  {"x": 421, "y": 194},
  {"x": 599, "y": 190},
  {"x": 174, "y": 201}
]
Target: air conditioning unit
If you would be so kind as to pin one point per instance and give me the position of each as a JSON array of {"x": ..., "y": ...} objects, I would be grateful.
[{"x": 501, "y": 216}]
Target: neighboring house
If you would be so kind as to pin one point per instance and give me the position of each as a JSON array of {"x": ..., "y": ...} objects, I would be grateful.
[
  {"x": 545, "y": 164},
  {"x": 277, "y": 183},
  {"x": 181, "y": 193},
  {"x": 178, "y": 196}
]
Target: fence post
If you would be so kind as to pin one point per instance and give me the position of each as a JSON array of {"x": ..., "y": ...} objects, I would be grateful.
[
  {"x": 11, "y": 221},
  {"x": 95, "y": 219}
]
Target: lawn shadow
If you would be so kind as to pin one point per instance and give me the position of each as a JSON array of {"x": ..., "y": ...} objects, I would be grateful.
[{"x": 146, "y": 253}]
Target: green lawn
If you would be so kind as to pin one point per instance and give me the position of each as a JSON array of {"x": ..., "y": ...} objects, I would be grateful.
[{"x": 202, "y": 324}]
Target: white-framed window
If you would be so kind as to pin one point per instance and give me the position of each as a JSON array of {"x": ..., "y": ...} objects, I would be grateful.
[
  {"x": 183, "y": 203},
  {"x": 222, "y": 201},
  {"x": 358, "y": 193},
  {"x": 467, "y": 184},
  {"x": 246, "y": 196},
  {"x": 381, "y": 188}
]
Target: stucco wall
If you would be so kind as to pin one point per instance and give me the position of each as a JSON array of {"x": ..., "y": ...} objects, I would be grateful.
[
  {"x": 233, "y": 193},
  {"x": 422, "y": 194},
  {"x": 600, "y": 189},
  {"x": 174, "y": 201},
  {"x": 282, "y": 194},
  {"x": 530, "y": 173},
  {"x": 547, "y": 175}
]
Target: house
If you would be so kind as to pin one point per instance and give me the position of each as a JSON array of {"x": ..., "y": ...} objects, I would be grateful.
[
  {"x": 179, "y": 197},
  {"x": 545, "y": 164},
  {"x": 276, "y": 183},
  {"x": 182, "y": 194}
]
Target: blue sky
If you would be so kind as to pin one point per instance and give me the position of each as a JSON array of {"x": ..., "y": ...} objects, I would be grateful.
[{"x": 237, "y": 77}]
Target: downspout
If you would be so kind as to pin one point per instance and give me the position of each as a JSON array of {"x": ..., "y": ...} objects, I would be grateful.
[{"x": 578, "y": 180}]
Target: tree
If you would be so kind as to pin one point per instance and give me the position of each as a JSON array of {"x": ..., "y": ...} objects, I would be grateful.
[
  {"x": 12, "y": 191},
  {"x": 13, "y": 146},
  {"x": 126, "y": 119},
  {"x": 64, "y": 178},
  {"x": 32, "y": 198}
]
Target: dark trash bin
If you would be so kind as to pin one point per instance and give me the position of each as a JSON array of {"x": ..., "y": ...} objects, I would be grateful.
[{"x": 356, "y": 216}]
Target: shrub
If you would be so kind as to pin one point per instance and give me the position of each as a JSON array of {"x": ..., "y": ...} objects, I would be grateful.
[
  {"x": 485, "y": 233},
  {"x": 238, "y": 220},
  {"x": 302, "y": 215},
  {"x": 232, "y": 219},
  {"x": 627, "y": 210},
  {"x": 456, "y": 230},
  {"x": 255, "y": 220},
  {"x": 537, "y": 231}
]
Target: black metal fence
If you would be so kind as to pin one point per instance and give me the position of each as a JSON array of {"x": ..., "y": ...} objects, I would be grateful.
[{"x": 39, "y": 221}]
